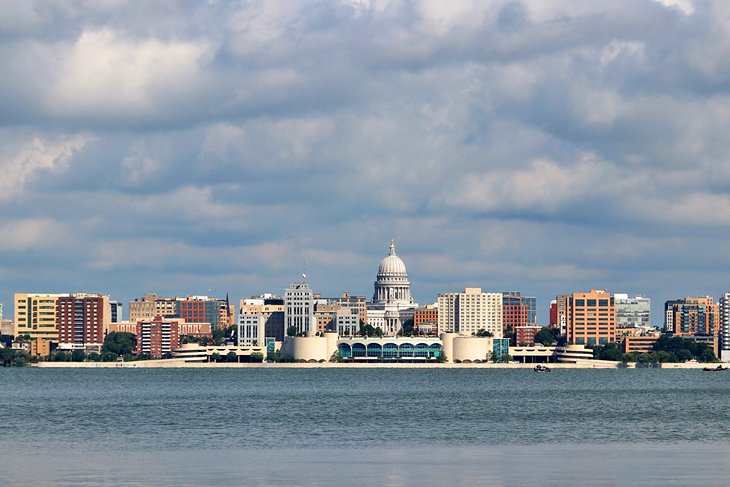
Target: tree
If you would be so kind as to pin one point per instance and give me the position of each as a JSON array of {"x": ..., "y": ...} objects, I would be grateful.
[
  {"x": 94, "y": 356},
  {"x": 78, "y": 356},
  {"x": 504, "y": 358},
  {"x": 366, "y": 330},
  {"x": 291, "y": 331},
  {"x": 273, "y": 357},
  {"x": 407, "y": 328},
  {"x": 120, "y": 343},
  {"x": 545, "y": 336},
  {"x": 484, "y": 333},
  {"x": 215, "y": 357},
  {"x": 232, "y": 357},
  {"x": 60, "y": 356}
]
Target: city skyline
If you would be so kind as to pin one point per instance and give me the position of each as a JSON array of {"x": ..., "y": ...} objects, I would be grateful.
[{"x": 545, "y": 147}]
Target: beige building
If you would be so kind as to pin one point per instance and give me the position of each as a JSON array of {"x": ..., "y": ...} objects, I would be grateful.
[
  {"x": 35, "y": 315},
  {"x": 150, "y": 305},
  {"x": 468, "y": 312}
]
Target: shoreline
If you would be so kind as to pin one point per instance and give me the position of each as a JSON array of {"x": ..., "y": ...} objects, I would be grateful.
[{"x": 174, "y": 364}]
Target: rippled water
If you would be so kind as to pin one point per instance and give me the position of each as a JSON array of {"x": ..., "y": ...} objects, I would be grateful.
[{"x": 363, "y": 426}]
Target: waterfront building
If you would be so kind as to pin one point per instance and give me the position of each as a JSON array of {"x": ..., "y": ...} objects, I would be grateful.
[
  {"x": 632, "y": 311},
  {"x": 638, "y": 343},
  {"x": 35, "y": 315},
  {"x": 326, "y": 315},
  {"x": 514, "y": 312},
  {"x": 392, "y": 303},
  {"x": 7, "y": 327},
  {"x": 158, "y": 336},
  {"x": 83, "y": 319},
  {"x": 149, "y": 306},
  {"x": 692, "y": 317},
  {"x": 272, "y": 309},
  {"x": 725, "y": 327},
  {"x": 468, "y": 312},
  {"x": 299, "y": 309},
  {"x": 591, "y": 318},
  {"x": 389, "y": 349},
  {"x": 525, "y": 335},
  {"x": 553, "y": 314}
]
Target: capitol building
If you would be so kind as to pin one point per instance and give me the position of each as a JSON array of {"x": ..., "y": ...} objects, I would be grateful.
[{"x": 392, "y": 302}]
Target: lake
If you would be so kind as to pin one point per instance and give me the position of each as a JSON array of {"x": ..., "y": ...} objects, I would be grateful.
[{"x": 390, "y": 427}]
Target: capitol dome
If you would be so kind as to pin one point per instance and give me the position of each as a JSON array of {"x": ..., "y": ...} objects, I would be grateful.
[
  {"x": 392, "y": 265},
  {"x": 392, "y": 285}
]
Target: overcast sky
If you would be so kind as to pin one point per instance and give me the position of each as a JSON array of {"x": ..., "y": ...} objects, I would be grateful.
[{"x": 212, "y": 148}]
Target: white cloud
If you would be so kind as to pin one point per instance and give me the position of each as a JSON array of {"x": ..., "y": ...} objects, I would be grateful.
[
  {"x": 50, "y": 154},
  {"x": 104, "y": 72}
]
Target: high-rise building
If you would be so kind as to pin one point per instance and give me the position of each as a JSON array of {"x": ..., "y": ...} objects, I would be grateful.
[
  {"x": 470, "y": 311},
  {"x": 83, "y": 319},
  {"x": 158, "y": 336},
  {"x": 35, "y": 315},
  {"x": 692, "y": 316},
  {"x": 591, "y": 318},
  {"x": 514, "y": 311},
  {"x": 299, "y": 309},
  {"x": 725, "y": 325},
  {"x": 632, "y": 311},
  {"x": 553, "y": 321}
]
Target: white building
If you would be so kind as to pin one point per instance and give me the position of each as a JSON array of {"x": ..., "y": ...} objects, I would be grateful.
[
  {"x": 251, "y": 330},
  {"x": 468, "y": 312},
  {"x": 299, "y": 309},
  {"x": 632, "y": 311},
  {"x": 392, "y": 302}
]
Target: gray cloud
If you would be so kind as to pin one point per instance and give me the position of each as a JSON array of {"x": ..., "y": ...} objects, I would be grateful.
[{"x": 541, "y": 146}]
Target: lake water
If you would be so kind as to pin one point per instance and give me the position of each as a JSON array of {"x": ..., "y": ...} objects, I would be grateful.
[{"x": 388, "y": 427}]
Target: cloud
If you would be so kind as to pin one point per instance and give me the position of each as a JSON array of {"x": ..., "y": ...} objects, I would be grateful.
[{"x": 545, "y": 146}]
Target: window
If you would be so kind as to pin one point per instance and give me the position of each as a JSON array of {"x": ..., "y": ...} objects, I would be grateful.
[
  {"x": 591, "y": 302},
  {"x": 580, "y": 302}
]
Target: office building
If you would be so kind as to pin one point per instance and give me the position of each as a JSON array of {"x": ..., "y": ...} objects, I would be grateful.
[
  {"x": 591, "y": 318},
  {"x": 530, "y": 303},
  {"x": 725, "y": 327},
  {"x": 299, "y": 310},
  {"x": 632, "y": 311},
  {"x": 35, "y": 315},
  {"x": 426, "y": 319},
  {"x": 251, "y": 330},
  {"x": 272, "y": 309},
  {"x": 514, "y": 312}
]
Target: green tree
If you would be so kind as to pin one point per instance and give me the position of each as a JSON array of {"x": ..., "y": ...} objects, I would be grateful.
[
  {"x": 273, "y": 357},
  {"x": 215, "y": 357},
  {"x": 233, "y": 357},
  {"x": 94, "y": 356},
  {"x": 484, "y": 333},
  {"x": 291, "y": 331},
  {"x": 407, "y": 328},
  {"x": 78, "y": 356},
  {"x": 366, "y": 330},
  {"x": 120, "y": 343},
  {"x": 545, "y": 336},
  {"x": 108, "y": 356}
]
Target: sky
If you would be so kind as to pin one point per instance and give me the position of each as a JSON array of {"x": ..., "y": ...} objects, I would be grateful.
[{"x": 226, "y": 147}]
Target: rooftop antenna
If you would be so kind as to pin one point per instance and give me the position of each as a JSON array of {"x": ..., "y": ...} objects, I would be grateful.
[{"x": 304, "y": 271}]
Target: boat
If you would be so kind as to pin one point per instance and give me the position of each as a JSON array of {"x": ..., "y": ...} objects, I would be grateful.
[
  {"x": 541, "y": 368},
  {"x": 714, "y": 369}
]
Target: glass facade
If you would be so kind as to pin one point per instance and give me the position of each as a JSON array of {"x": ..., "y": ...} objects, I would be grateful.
[{"x": 390, "y": 350}]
